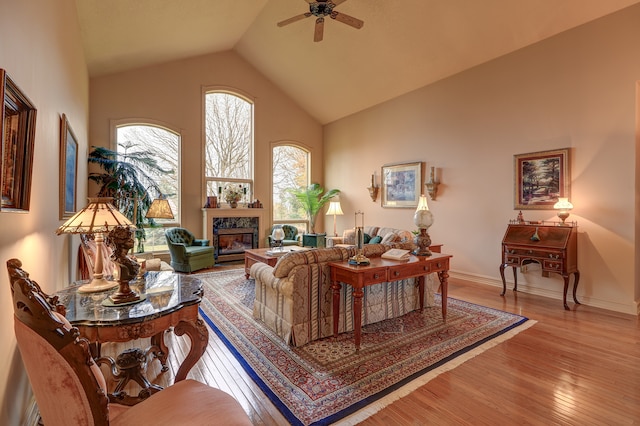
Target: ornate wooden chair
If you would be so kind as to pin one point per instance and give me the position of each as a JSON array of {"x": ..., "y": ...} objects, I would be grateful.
[{"x": 69, "y": 387}]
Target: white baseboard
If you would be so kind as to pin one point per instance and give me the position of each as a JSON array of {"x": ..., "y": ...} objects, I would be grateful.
[{"x": 633, "y": 308}]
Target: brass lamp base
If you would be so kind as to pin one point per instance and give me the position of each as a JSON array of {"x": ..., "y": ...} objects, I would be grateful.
[
  {"x": 422, "y": 242},
  {"x": 359, "y": 259}
]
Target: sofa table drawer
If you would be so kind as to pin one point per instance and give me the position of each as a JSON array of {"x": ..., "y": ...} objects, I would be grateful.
[
  {"x": 397, "y": 273},
  {"x": 376, "y": 276}
]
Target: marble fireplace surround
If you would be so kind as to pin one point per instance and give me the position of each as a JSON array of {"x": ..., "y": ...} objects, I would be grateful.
[{"x": 226, "y": 219}]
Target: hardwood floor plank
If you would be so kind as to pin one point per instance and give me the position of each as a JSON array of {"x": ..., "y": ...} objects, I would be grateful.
[{"x": 579, "y": 367}]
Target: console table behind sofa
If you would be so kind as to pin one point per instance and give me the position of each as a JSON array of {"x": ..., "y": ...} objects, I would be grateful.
[{"x": 294, "y": 298}]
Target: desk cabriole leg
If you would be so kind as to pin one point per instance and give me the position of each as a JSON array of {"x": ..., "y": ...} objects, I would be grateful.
[
  {"x": 576, "y": 278},
  {"x": 564, "y": 293},
  {"x": 515, "y": 279},
  {"x": 199, "y": 335},
  {"x": 504, "y": 282}
]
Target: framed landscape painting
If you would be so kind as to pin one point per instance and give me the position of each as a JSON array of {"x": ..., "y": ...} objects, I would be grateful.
[
  {"x": 68, "y": 169},
  {"x": 401, "y": 185},
  {"x": 541, "y": 178}
]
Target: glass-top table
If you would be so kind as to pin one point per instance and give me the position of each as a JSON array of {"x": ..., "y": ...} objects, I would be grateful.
[{"x": 170, "y": 300}]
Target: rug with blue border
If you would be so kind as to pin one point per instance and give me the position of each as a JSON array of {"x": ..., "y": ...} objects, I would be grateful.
[{"x": 326, "y": 381}]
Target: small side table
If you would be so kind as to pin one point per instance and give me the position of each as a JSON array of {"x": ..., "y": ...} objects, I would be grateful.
[
  {"x": 172, "y": 301},
  {"x": 314, "y": 240}
]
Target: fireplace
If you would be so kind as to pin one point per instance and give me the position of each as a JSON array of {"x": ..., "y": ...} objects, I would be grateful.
[{"x": 233, "y": 235}]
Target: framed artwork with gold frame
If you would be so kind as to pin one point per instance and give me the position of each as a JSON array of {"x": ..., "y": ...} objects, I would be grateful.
[
  {"x": 541, "y": 178},
  {"x": 17, "y": 133},
  {"x": 68, "y": 169},
  {"x": 401, "y": 185}
]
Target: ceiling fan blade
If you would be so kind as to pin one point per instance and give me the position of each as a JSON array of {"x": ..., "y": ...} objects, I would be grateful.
[
  {"x": 317, "y": 34},
  {"x": 346, "y": 19},
  {"x": 294, "y": 19}
]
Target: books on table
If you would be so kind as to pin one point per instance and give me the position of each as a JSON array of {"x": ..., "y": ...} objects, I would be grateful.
[
  {"x": 285, "y": 250},
  {"x": 396, "y": 254}
]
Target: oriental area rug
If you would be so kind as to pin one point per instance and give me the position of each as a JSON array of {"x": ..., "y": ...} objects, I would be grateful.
[{"x": 326, "y": 381}]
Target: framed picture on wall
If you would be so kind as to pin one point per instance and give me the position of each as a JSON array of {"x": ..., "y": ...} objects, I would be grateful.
[
  {"x": 17, "y": 136},
  {"x": 401, "y": 185},
  {"x": 68, "y": 169},
  {"x": 541, "y": 178}
]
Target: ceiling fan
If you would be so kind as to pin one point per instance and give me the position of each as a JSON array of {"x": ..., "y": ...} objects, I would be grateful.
[{"x": 320, "y": 9}]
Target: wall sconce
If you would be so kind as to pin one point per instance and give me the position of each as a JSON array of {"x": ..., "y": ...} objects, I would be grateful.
[
  {"x": 373, "y": 189},
  {"x": 432, "y": 185},
  {"x": 563, "y": 206}
]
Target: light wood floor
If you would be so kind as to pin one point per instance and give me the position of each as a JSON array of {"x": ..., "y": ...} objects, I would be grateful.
[{"x": 579, "y": 367}]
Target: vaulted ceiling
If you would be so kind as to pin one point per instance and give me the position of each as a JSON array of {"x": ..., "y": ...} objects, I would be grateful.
[{"x": 403, "y": 45}]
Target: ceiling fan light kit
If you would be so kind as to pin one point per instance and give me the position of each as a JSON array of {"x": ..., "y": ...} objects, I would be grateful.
[{"x": 320, "y": 9}]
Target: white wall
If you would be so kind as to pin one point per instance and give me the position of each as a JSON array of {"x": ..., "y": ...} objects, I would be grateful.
[
  {"x": 41, "y": 51},
  {"x": 575, "y": 90}
]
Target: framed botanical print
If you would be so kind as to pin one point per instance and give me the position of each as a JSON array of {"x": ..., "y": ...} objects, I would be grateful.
[
  {"x": 401, "y": 185},
  {"x": 541, "y": 178},
  {"x": 68, "y": 169}
]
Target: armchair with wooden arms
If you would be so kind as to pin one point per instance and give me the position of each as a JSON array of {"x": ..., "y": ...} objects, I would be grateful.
[
  {"x": 69, "y": 387},
  {"x": 188, "y": 253}
]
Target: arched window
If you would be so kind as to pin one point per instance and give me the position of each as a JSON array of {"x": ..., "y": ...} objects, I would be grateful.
[
  {"x": 290, "y": 166},
  {"x": 228, "y": 146},
  {"x": 162, "y": 146}
]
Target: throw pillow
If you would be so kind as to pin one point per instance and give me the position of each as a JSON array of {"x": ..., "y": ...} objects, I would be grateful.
[
  {"x": 375, "y": 240},
  {"x": 366, "y": 238},
  {"x": 389, "y": 238},
  {"x": 349, "y": 237}
]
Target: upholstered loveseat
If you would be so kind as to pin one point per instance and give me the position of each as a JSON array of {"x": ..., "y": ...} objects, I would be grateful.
[
  {"x": 294, "y": 298},
  {"x": 372, "y": 235}
]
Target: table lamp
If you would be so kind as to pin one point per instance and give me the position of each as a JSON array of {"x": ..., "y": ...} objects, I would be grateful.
[
  {"x": 98, "y": 217},
  {"x": 359, "y": 258},
  {"x": 423, "y": 219},
  {"x": 277, "y": 235},
  {"x": 159, "y": 209},
  {"x": 335, "y": 210},
  {"x": 563, "y": 206}
]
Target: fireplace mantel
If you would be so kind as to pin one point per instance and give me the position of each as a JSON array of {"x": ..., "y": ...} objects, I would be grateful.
[{"x": 209, "y": 214}]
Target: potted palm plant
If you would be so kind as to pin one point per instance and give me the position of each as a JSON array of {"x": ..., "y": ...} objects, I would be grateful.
[
  {"x": 128, "y": 183},
  {"x": 312, "y": 199}
]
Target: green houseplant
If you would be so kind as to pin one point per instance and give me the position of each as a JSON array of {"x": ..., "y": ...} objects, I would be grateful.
[
  {"x": 128, "y": 182},
  {"x": 312, "y": 199}
]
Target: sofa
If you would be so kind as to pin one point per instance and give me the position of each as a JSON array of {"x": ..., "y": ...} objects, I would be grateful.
[
  {"x": 294, "y": 298},
  {"x": 372, "y": 235}
]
